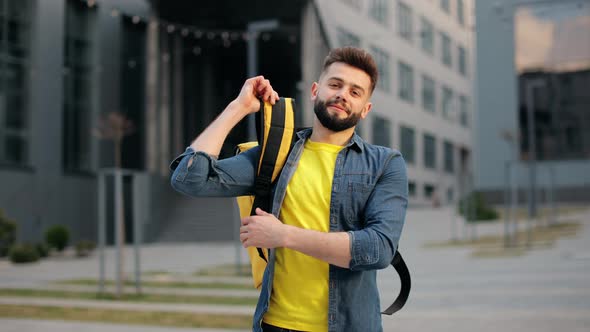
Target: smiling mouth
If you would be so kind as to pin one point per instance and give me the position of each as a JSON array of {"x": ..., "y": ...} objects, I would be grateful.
[{"x": 339, "y": 108}]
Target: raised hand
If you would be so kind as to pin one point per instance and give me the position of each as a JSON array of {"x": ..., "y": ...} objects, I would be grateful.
[{"x": 253, "y": 89}]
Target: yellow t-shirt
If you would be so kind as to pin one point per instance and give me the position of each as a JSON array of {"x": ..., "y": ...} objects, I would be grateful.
[{"x": 299, "y": 298}]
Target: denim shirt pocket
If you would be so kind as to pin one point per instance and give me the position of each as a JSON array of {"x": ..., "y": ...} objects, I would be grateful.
[{"x": 355, "y": 192}]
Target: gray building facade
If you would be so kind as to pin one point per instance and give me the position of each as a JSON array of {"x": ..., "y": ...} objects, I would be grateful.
[
  {"x": 169, "y": 66},
  {"x": 508, "y": 35}
]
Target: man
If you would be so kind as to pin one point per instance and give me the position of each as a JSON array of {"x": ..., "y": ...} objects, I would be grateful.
[{"x": 340, "y": 202}]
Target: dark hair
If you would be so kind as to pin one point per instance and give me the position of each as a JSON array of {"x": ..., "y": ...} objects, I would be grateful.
[{"x": 355, "y": 57}]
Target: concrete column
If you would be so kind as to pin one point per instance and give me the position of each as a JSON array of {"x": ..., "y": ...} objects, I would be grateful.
[
  {"x": 164, "y": 114},
  {"x": 177, "y": 93},
  {"x": 151, "y": 94}
]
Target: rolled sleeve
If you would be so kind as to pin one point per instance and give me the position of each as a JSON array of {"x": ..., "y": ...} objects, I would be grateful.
[
  {"x": 374, "y": 246},
  {"x": 207, "y": 176}
]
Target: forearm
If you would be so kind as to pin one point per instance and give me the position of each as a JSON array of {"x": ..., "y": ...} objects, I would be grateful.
[
  {"x": 333, "y": 248},
  {"x": 211, "y": 139}
]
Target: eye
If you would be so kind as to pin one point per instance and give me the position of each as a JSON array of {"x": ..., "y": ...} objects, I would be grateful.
[{"x": 356, "y": 93}]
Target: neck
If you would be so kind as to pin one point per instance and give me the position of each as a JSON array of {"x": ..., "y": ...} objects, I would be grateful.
[{"x": 322, "y": 134}]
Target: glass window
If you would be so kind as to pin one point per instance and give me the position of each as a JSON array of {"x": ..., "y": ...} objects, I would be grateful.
[
  {"x": 407, "y": 143},
  {"x": 382, "y": 60},
  {"x": 428, "y": 94},
  {"x": 79, "y": 85},
  {"x": 460, "y": 12},
  {"x": 445, "y": 5},
  {"x": 428, "y": 190},
  {"x": 462, "y": 60},
  {"x": 464, "y": 111},
  {"x": 427, "y": 36},
  {"x": 379, "y": 11},
  {"x": 445, "y": 44},
  {"x": 449, "y": 157},
  {"x": 447, "y": 102},
  {"x": 406, "y": 82},
  {"x": 411, "y": 188},
  {"x": 15, "y": 49},
  {"x": 381, "y": 131},
  {"x": 450, "y": 194},
  {"x": 429, "y": 151},
  {"x": 404, "y": 21},
  {"x": 346, "y": 38},
  {"x": 553, "y": 72}
]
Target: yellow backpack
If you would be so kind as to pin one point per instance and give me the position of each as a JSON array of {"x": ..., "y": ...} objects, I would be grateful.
[{"x": 275, "y": 128}]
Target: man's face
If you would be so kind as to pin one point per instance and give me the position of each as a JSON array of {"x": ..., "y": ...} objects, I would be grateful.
[{"x": 341, "y": 97}]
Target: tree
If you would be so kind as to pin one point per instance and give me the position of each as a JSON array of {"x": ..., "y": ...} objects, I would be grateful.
[{"x": 114, "y": 126}]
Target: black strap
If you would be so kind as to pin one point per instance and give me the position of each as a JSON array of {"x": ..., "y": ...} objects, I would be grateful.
[
  {"x": 272, "y": 146},
  {"x": 406, "y": 283}
]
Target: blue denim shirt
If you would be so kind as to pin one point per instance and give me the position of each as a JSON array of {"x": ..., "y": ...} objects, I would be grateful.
[{"x": 369, "y": 200}]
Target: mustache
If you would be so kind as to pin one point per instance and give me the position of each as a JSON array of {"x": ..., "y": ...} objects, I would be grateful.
[{"x": 338, "y": 103}]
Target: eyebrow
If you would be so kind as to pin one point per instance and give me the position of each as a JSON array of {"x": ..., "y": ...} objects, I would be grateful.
[{"x": 356, "y": 86}]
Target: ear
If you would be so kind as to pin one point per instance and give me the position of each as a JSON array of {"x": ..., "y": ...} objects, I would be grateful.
[
  {"x": 366, "y": 110},
  {"x": 314, "y": 91}
]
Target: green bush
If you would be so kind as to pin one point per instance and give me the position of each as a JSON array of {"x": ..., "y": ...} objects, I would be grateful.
[
  {"x": 23, "y": 253},
  {"x": 84, "y": 248},
  {"x": 7, "y": 234},
  {"x": 57, "y": 237},
  {"x": 42, "y": 249},
  {"x": 483, "y": 212}
]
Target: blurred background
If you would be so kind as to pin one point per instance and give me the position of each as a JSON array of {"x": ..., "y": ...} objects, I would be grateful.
[
  {"x": 488, "y": 101},
  {"x": 96, "y": 84}
]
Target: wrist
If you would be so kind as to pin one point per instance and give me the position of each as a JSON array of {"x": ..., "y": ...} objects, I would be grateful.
[
  {"x": 287, "y": 238},
  {"x": 242, "y": 108}
]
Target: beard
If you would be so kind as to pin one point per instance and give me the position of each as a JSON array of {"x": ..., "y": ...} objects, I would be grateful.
[{"x": 333, "y": 122}]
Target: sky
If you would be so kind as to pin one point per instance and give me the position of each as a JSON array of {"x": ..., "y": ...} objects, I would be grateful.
[{"x": 554, "y": 37}]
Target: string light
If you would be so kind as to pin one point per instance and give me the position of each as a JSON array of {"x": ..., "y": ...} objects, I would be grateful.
[{"x": 226, "y": 36}]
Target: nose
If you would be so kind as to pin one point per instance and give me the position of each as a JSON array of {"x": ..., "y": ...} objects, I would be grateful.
[{"x": 341, "y": 95}]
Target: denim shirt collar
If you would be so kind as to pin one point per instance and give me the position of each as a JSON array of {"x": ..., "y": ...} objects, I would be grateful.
[{"x": 356, "y": 142}]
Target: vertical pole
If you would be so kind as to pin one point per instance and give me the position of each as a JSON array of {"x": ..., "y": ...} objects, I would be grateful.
[
  {"x": 514, "y": 207},
  {"x": 465, "y": 207},
  {"x": 507, "y": 205},
  {"x": 552, "y": 201},
  {"x": 529, "y": 221},
  {"x": 530, "y": 103},
  {"x": 545, "y": 203},
  {"x": 101, "y": 230},
  {"x": 137, "y": 226},
  {"x": 119, "y": 228},
  {"x": 473, "y": 210}
]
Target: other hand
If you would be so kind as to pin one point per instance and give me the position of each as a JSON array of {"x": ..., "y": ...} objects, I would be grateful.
[{"x": 263, "y": 230}]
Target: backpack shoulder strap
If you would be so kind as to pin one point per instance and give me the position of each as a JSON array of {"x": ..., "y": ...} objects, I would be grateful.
[
  {"x": 275, "y": 127},
  {"x": 406, "y": 283}
]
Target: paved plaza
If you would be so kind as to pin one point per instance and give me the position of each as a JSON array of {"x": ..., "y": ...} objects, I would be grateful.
[{"x": 546, "y": 289}]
